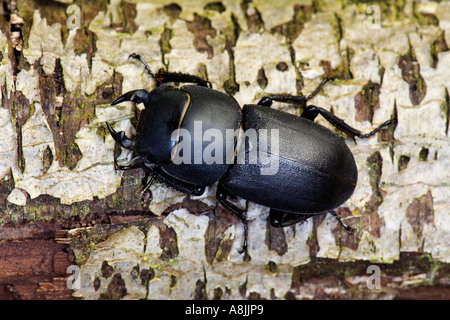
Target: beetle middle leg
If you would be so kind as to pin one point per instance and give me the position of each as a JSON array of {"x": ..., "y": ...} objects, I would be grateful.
[
  {"x": 292, "y": 99},
  {"x": 165, "y": 77},
  {"x": 343, "y": 223},
  {"x": 177, "y": 184},
  {"x": 222, "y": 196}
]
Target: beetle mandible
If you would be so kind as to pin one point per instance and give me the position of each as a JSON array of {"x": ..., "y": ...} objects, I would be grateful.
[{"x": 315, "y": 170}]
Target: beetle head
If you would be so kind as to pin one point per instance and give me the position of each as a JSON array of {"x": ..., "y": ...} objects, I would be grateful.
[{"x": 136, "y": 96}]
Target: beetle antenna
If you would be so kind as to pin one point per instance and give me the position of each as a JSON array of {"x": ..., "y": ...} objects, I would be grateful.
[
  {"x": 137, "y": 56},
  {"x": 317, "y": 89}
]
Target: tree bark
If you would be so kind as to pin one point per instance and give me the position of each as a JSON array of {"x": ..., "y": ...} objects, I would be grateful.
[{"x": 62, "y": 203}]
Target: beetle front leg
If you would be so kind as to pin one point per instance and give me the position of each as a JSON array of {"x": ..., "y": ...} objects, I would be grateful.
[
  {"x": 165, "y": 77},
  {"x": 132, "y": 165},
  {"x": 177, "y": 184}
]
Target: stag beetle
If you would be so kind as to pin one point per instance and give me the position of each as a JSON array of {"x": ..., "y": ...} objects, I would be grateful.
[{"x": 311, "y": 169}]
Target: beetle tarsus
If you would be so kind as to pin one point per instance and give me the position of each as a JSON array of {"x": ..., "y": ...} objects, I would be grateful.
[
  {"x": 381, "y": 126},
  {"x": 281, "y": 219},
  {"x": 316, "y": 91},
  {"x": 243, "y": 249},
  {"x": 311, "y": 112},
  {"x": 343, "y": 224}
]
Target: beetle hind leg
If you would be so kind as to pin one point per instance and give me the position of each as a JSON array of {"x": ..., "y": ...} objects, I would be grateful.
[
  {"x": 281, "y": 219},
  {"x": 343, "y": 223},
  {"x": 311, "y": 112}
]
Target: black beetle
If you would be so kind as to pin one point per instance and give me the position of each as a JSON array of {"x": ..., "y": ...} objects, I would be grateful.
[{"x": 315, "y": 170}]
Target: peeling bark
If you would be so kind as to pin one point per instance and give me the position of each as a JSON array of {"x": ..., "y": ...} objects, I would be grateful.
[{"x": 62, "y": 203}]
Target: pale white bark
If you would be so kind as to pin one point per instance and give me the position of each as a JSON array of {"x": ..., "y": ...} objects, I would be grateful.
[{"x": 420, "y": 126}]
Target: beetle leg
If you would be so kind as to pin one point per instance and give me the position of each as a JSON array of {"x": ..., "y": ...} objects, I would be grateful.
[
  {"x": 140, "y": 164},
  {"x": 288, "y": 98},
  {"x": 178, "y": 184},
  {"x": 316, "y": 91},
  {"x": 280, "y": 219},
  {"x": 343, "y": 224},
  {"x": 164, "y": 77},
  {"x": 148, "y": 185},
  {"x": 221, "y": 196},
  {"x": 311, "y": 112}
]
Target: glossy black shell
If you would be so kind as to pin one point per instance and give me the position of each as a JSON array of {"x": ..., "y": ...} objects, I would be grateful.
[
  {"x": 316, "y": 170},
  {"x": 169, "y": 109}
]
